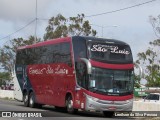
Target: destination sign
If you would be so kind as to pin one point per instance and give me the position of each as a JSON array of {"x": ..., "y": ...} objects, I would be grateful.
[{"x": 112, "y": 49}]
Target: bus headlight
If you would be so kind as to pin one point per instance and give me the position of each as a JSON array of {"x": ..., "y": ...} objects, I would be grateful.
[
  {"x": 92, "y": 98},
  {"x": 95, "y": 99},
  {"x": 128, "y": 101}
]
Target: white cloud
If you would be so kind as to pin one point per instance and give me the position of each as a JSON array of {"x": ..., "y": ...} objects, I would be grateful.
[
  {"x": 22, "y": 9},
  {"x": 133, "y": 24}
]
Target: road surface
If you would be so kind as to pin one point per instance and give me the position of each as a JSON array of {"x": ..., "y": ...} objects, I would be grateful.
[{"x": 47, "y": 113}]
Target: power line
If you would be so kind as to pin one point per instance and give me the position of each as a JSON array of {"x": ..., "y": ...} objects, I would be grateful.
[
  {"x": 18, "y": 29},
  {"x": 113, "y": 11},
  {"x": 43, "y": 19}
]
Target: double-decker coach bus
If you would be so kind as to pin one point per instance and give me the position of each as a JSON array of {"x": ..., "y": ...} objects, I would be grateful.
[{"x": 87, "y": 73}]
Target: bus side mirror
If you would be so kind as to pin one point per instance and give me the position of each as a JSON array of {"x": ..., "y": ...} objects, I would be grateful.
[
  {"x": 88, "y": 64},
  {"x": 141, "y": 75}
]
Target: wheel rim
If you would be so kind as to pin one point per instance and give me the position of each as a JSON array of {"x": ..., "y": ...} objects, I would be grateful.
[
  {"x": 70, "y": 105},
  {"x": 25, "y": 98},
  {"x": 31, "y": 100}
]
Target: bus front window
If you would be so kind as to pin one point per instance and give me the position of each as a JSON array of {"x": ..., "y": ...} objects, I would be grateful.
[
  {"x": 111, "y": 81},
  {"x": 110, "y": 53}
]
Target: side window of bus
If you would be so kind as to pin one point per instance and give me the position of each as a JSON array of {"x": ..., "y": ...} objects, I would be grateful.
[
  {"x": 41, "y": 55},
  {"x": 59, "y": 53},
  {"x": 65, "y": 54},
  {"x": 22, "y": 57},
  {"x": 56, "y": 53},
  {"x": 30, "y": 56},
  {"x": 33, "y": 55},
  {"x": 80, "y": 50},
  {"x": 81, "y": 74},
  {"x": 18, "y": 57},
  {"x": 49, "y": 55}
]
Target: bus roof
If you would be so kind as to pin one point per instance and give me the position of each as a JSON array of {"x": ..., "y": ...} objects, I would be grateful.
[
  {"x": 65, "y": 39},
  {"x": 102, "y": 39},
  {"x": 48, "y": 42}
]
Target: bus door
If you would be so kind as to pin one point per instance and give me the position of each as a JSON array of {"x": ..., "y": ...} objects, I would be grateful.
[
  {"x": 18, "y": 84},
  {"x": 82, "y": 84},
  {"x": 20, "y": 81}
]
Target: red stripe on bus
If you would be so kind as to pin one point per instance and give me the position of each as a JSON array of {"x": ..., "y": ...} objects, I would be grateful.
[
  {"x": 111, "y": 66},
  {"x": 110, "y": 97}
]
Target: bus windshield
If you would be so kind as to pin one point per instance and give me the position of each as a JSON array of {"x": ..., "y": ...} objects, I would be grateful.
[
  {"x": 110, "y": 52},
  {"x": 105, "y": 81}
]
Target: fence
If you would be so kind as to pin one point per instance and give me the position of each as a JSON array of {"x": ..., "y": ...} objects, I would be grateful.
[
  {"x": 137, "y": 105},
  {"x": 146, "y": 106},
  {"x": 7, "y": 94}
]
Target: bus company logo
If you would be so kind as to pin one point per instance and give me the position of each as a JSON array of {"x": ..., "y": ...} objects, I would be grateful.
[
  {"x": 112, "y": 102},
  {"x": 105, "y": 48},
  {"x": 6, "y": 114},
  {"x": 48, "y": 70}
]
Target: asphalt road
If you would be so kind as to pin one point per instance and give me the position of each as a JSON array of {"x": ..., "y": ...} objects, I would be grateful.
[{"x": 50, "y": 112}]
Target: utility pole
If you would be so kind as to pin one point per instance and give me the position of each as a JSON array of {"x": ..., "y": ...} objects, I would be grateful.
[{"x": 35, "y": 35}]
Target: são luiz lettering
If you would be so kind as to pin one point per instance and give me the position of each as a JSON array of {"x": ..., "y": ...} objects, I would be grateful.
[{"x": 113, "y": 49}]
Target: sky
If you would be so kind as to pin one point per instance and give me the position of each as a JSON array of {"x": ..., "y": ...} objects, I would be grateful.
[{"x": 133, "y": 24}]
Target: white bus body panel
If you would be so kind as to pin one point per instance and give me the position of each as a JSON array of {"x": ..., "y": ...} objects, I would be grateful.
[{"x": 17, "y": 90}]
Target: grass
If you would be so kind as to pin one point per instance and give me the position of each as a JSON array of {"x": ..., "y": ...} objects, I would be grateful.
[{"x": 6, "y": 98}]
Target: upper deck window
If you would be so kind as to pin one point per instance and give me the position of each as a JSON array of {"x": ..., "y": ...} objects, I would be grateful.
[
  {"x": 53, "y": 53},
  {"x": 110, "y": 52}
]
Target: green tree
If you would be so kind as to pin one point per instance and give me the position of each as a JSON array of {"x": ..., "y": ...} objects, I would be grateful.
[
  {"x": 60, "y": 26},
  {"x": 137, "y": 81},
  {"x": 4, "y": 76},
  {"x": 8, "y": 52},
  {"x": 150, "y": 61},
  {"x": 155, "y": 22}
]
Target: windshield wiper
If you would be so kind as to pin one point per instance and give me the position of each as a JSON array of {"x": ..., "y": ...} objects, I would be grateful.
[{"x": 93, "y": 89}]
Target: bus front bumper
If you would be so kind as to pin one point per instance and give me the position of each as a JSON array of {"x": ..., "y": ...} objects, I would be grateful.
[{"x": 94, "y": 104}]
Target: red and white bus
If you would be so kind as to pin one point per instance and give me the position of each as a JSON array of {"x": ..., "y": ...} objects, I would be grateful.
[{"x": 87, "y": 73}]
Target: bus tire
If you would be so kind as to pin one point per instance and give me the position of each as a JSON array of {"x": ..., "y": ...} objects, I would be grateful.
[
  {"x": 25, "y": 99},
  {"x": 69, "y": 105},
  {"x": 108, "y": 113},
  {"x": 32, "y": 103}
]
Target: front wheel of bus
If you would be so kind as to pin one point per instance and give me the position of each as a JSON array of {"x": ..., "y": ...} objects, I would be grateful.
[
  {"x": 69, "y": 104},
  {"x": 25, "y": 99}
]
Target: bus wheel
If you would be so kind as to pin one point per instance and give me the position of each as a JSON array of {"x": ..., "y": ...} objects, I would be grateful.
[
  {"x": 32, "y": 100},
  {"x": 69, "y": 104},
  {"x": 108, "y": 113},
  {"x": 25, "y": 99}
]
